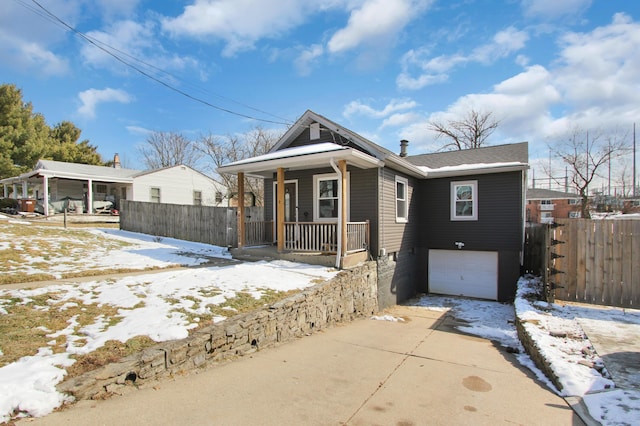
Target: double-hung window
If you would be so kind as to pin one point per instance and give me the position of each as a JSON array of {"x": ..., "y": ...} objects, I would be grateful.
[
  {"x": 197, "y": 198},
  {"x": 154, "y": 195},
  {"x": 326, "y": 197},
  {"x": 402, "y": 215},
  {"x": 464, "y": 200}
]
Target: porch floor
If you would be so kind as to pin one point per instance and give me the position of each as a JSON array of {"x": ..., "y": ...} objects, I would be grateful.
[{"x": 266, "y": 252}]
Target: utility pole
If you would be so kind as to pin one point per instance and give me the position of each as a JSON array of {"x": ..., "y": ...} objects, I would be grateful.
[{"x": 634, "y": 160}]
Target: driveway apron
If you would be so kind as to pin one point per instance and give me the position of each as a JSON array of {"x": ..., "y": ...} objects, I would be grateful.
[{"x": 419, "y": 371}]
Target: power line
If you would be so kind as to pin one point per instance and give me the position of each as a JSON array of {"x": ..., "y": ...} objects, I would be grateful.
[{"x": 109, "y": 50}]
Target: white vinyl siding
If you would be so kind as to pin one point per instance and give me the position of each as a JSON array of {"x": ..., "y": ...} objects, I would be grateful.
[{"x": 177, "y": 186}]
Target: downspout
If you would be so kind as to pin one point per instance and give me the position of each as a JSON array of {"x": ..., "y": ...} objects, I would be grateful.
[{"x": 340, "y": 201}]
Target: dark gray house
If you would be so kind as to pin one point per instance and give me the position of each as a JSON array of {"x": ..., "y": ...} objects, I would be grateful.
[{"x": 448, "y": 223}]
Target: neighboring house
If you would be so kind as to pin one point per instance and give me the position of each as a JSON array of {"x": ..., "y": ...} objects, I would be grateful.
[
  {"x": 177, "y": 185},
  {"x": 55, "y": 185},
  {"x": 545, "y": 205},
  {"x": 450, "y": 222}
]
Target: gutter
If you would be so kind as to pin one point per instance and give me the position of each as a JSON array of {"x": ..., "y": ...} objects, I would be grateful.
[{"x": 339, "y": 248}]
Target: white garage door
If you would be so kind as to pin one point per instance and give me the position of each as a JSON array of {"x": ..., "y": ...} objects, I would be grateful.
[{"x": 464, "y": 273}]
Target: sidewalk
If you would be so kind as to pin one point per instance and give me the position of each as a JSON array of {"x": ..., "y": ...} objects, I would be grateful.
[{"x": 420, "y": 371}]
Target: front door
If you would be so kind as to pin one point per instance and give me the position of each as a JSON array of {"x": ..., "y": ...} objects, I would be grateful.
[
  {"x": 290, "y": 205},
  {"x": 290, "y": 201}
]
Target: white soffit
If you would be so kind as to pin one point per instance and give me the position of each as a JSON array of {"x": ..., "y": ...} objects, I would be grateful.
[{"x": 300, "y": 158}]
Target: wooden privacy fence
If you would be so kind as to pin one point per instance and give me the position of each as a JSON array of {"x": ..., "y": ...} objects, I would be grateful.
[
  {"x": 592, "y": 261},
  {"x": 203, "y": 224}
]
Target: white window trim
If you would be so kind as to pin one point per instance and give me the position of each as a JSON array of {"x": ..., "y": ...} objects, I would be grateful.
[
  {"x": 474, "y": 199},
  {"x": 328, "y": 176},
  {"x": 151, "y": 198},
  {"x": 195, "y": 199},
  {"x": 405, "y": 182}
]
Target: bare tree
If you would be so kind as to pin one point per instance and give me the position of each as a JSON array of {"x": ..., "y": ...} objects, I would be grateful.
[
  {"x": 166, "y": 149},
  {"x": 585, "y": 154},
  {"x": 470, "y": 132},
  {"x": 224, "y": 150}
]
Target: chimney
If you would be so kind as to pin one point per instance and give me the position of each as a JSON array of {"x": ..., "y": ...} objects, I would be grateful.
[
  {"x": 403, "y": 147},
  {"x": 116, "y": 161}
]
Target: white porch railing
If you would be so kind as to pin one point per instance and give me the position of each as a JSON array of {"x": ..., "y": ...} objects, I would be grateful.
[
  {"x": 323, "y": 237},
  {"x": 357, "y": 236},
  {"x": 309, "y": 236}
]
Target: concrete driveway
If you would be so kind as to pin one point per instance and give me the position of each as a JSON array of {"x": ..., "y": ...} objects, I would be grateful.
[{"x": 417, "y": 372}]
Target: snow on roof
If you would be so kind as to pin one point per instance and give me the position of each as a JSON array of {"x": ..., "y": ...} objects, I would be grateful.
[
  {"x": 463, "y": 167},
  {"x": 291, "y": 152},
  {"x": 84, "y": 169}
]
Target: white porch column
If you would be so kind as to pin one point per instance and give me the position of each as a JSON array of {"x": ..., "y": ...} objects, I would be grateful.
[
  {"x": 89, "y": 196},
  {"x": 6, "y": 190},
  {"x": 15, "y": 191},
  {"x": 45, "y": 198},
  {"x": 24, "y": 189}
]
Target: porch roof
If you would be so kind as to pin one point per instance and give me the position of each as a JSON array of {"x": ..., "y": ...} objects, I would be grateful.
[
  {"x": 300, "y": 158},
  {"x": 64, "y": 170}
]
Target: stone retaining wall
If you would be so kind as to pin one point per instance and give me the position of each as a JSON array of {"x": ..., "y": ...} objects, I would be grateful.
[
  {"x": 534, "y": 352},
  {"x": 349, "y": 295}
]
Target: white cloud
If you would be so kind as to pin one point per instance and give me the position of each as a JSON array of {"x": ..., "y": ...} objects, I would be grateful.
[
  {"x": 137, "y": 40},
  {"x": 375, "y": 20},
  {"x": 117, "y": 8},
  {"x": 401, "y": 119},
  {"x": 504, "y": 43},
  {"x": 362, "y": 109},
  {"x": 553, "y": 9},
  {"x": 137, "y": 130},
  {"x": 92, "y": 97},
  {"x": 436, "y": 70},
  {"x": 30, "y": 55},
  {"x": 240, "y": 23},
  {"x": 27, "y": 40},
  {"x": 307, "y": 58},
  {"x": 592, "y": 84}
]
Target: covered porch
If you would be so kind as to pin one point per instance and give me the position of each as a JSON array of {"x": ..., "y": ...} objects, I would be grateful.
[
  {"x": 327, "y": 237},
  {"x": 50, "y": 191}
]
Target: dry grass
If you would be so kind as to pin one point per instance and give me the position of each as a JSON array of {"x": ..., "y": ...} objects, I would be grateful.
[
  {"x": 28, "y": 325},
  {"x": 112, "y": 351},
  {"x": 33, "y": 323}
]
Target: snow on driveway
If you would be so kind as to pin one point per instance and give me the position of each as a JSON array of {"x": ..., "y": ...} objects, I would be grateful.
[{"x": 557, "y": 332}]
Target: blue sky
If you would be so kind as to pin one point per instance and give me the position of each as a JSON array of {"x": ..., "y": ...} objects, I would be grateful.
[{"x": 382, "y": 68}]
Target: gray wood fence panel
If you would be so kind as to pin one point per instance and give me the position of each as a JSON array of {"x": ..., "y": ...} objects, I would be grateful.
[{"x": 202, "y": 224}]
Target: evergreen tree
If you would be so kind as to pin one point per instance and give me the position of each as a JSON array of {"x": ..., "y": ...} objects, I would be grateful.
[{"x": 25, "y": 137}]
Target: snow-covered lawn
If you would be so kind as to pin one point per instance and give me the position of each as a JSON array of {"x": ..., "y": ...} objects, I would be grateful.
[
  {"x": 163, "y": 306},
  {"x": 30, "y": 250},
  {"x": 556, "y": 330}
]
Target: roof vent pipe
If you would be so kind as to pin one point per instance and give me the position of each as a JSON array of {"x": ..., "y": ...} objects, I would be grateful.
[
  {"x": 116, "y": 161},
  {"x": 403, "y": 147}
]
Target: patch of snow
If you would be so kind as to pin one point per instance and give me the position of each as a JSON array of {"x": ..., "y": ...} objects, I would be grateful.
[
  {"x": 387, "y": 318},
  {"x": 29, "y": 384}
]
